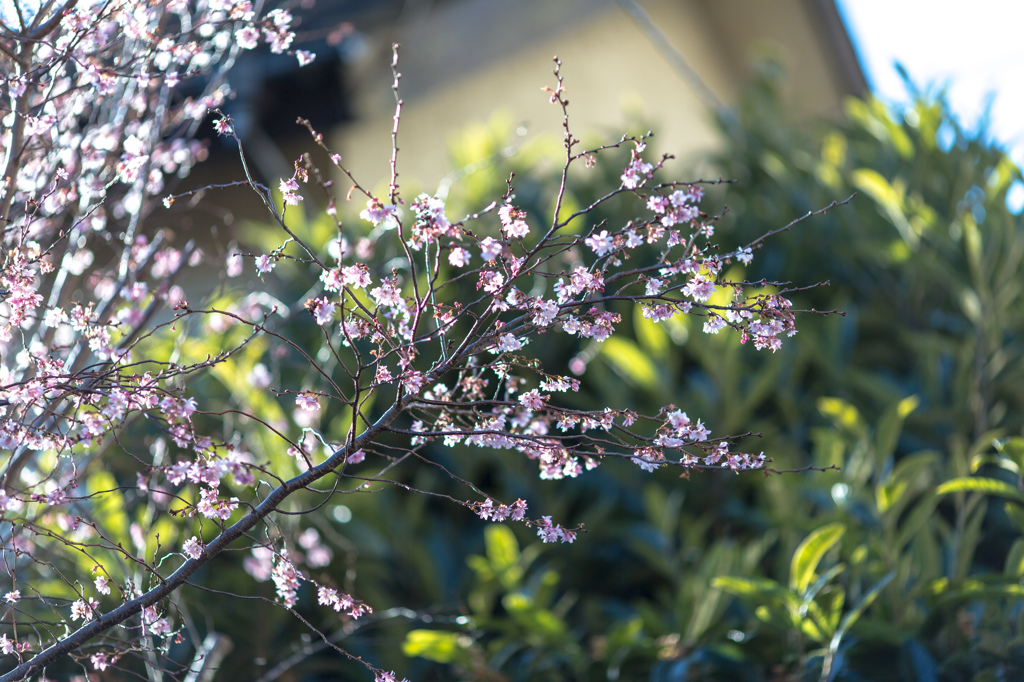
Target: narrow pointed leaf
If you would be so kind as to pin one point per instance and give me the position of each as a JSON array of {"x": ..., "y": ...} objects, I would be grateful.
[
  {"x": 809, "y": 554},
  {"x": 858, "y": 610},
  {"x": 980, "y": 484}
]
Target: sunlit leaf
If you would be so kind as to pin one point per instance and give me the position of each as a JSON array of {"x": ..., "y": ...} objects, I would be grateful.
[
  {"x": 809, "y": 553},
  {"x": 1016, "y": 514},
  {"x": 437, "y": 645},
  {"x": 889, "y": 198},
  {"x": 651, "y": 335},
  {"x": 1014, "y": 566},
  {"x": 980, "y": 484},
  {"x": 109, "y": 505},
  {"x": 746, "y": 587},
  {"x": 843, "y": 414},
  {"x": 1013, "y": 448},
  {"x": 631, "y": 362},
  {"x": 502, "y": 546},
  {"x": 534, "y": 619},
  {"x": 888, "y": 431},
  {"x": 913, "y": 472}
]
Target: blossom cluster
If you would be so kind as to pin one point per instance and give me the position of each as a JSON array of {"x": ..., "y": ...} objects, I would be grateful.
[
  {"x": 552, "y": 532},
  {"x": 491, "y": 511},
  {"x": 340, "y": 602},
  {"x": 97, "y": 126}
]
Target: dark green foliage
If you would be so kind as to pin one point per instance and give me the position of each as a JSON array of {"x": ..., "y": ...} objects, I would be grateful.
[
  {"x": 905, "y": 563},
  {"x": 920, "y": 570}
]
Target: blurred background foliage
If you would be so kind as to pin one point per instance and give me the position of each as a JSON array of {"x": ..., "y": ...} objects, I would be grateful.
[{"x": 905, "y": 563}]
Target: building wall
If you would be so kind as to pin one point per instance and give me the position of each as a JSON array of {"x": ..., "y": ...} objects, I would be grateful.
[{"x": 464, "y": 60}]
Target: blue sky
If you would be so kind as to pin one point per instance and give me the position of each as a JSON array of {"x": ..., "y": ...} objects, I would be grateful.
[{"x": 975, "y": 47}]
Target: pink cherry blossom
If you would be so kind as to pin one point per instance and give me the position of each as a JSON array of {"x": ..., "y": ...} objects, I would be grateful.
[
  {"x": 289, "y": 190},
  {"x": 490, "y": 248},
  {"x": 264, "y": 264},
  {"x": 533, "y": 400},
  {"x": 513, "y": 223},
  {"x": 82, "y": 609},
  {"x": 377, "y": 213},
  {"x": 356, "y": 276},
  {"x": 286, "y": 580},
  {"x": 636, "y": 173},
  {"x": 601, "y": 243},
  {"x": 223, "y": 126},
  {"x": 307, "y": 401},
  {"x": 323, "y": 311},
  {"x": 247, "y": 37},
  {"x": 459, "y": 257},
  {"x": 193, "y": 548},
  {"x": 700, "y": 288},
  {"x": 101, "y": 661}
]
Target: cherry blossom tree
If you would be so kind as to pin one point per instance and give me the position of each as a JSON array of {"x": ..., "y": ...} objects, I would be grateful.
[{"x": 424, "y": 323}]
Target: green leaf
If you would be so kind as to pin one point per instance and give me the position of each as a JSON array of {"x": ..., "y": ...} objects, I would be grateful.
[
  {"x": 438, "y": 645},
  {"x": 816, "y": 614},
  {"x": 503, "y": 557},
  {"x": 844, "y": 415},
  {"x": 969, "y": 539},
  {"x": 855, "y": 613},
  {"x": 775, "y": 603},
  {"x": 773, "y": 164},
  {"x": 534, "y": 619},
  {"x": 912, "y": 522},
  {"x": 626, "y": 633},
  {"x": 1016, "y": 514},
  {"x": 912, "y": 473},
  {"x": 809, "y": 554},
  {"x": 832, "y": 602},
  {"x": 622, "y": 639},
  {"x": 699, "y": 608},
  {"x": 972, "y": 241},
  {"x": 972, "y": 590},
  {"x": 890, "y": 424},
  {"x": 766, "y": 615},
  {"x": 632, "y": 363},
  {"x": 1014, "y": 567},
  {"x": 994, "y": 460},
  {"x": 833, "y": 148},
  {"x": 811, "y": 624},
  {"x": 887, "y": 494},
  {"x": 502, "y": 547},
  {"x": 108, "y": 508},
  {"x": 651, "y": 335},
  {"x": 971, "y": 305},
  {"x": 980, "y": 484},
  {"x": 889, "y": 197},
  {"x": 811, "y": 593},
  {"x": 829, "y": 447},
  {"x": 746, "y": 587},
  {"x": 1013, "y": 448},
  {"x": 480, "y": 566},
  {"x": 546, "y": 589}
]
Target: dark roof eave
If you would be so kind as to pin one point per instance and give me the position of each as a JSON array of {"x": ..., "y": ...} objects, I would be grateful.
[{"x": 846, "y": 62}]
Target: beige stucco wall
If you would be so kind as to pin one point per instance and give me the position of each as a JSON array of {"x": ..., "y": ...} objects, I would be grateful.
[
  {"x": 467, "y": 59},
  {"x": 793, "y": 31}
]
